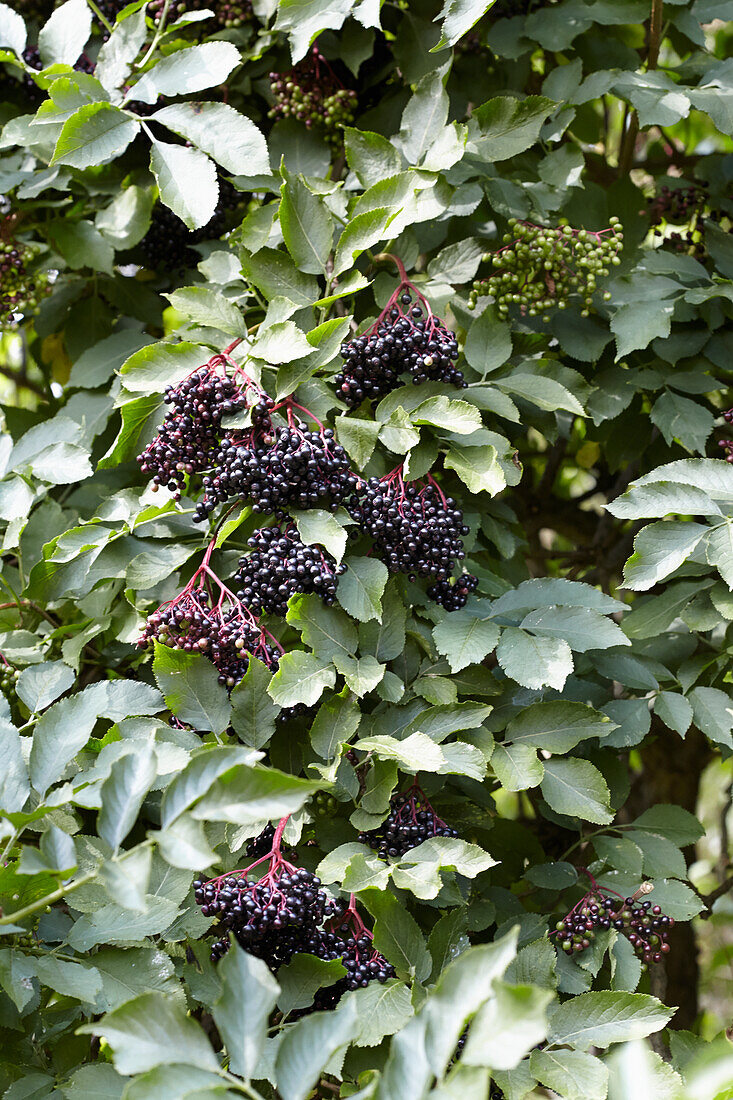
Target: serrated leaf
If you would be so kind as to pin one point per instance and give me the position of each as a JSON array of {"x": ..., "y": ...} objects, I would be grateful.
[
  {"x": 12, "y": 30},
  {"x": 191, "y": 687},
  {"x": 361, "y": 588},
  {"x": 300, "y": 678},
  {"x": 465, "y": 638},
  {"x": 63, "y": 37},
  {"x": 229, "y": 138},
  {"x": 319, "y": 526},
  {"x": 245, "y": 796},
  {"x": 306, "y": 224},
  {"x": 253, "y": 711},
  {"x": 581, "y": 627},
  {"x": 206, "y": 307},
  {"x": 573, "y": 1074},
  {"x": 659, "y": 550},
  {"x": 241, "y": 1012},
  {"x": 577, "y": 789},
  {"x": 557, "y": 725},
  {"x": 95, "y": 134},
  {"x": 186, "y": 180},
  {"x": 187, "y": 71},
  {"x": 397, "y": 935},
  {"x": 517, "y": 767},
  {"x": 534, "y": 662},
  {"x": 477, "y": 467},
  {"x": 602, "y": 1018},
  {"x": 508, "y": 125},
  {"x": 306, "y": 1049},
  {"x": 123, "y": 792}
]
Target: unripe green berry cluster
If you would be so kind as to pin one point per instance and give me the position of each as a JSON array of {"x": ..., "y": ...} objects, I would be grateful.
[
  {"x": 540, "y": 269},
  {"x": 228, "y": 15},
  {"x": 313, "y": 94},
  {"x": 20, "y": 289}
]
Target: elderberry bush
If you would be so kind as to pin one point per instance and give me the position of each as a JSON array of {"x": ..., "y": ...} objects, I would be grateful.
[
  {"x": 278, "y": 469},
  {"x": 410, "y": 821},
  {"x": 538, "y": 269},
  {"x": 190, "y": 435},
  {"x": 452, "y": 592},
  {"x": 313, "y": 94},
  {"x": 406, "y": 338},
  {"x": 279, "y": 566},
  {"x": 416, "y": 529},
  {"x": 645, "y": 925}
]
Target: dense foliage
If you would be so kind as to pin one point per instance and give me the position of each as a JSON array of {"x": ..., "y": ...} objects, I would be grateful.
[{"x": 367, "y": 548}]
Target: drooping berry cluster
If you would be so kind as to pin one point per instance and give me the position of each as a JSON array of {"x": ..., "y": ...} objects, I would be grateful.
[
  {"x": 189, "y": 437},
  {"x": 538, "y": 269},
  {"x": 207, "y": 618},
  {"x": 227, "y": 14},
  {"x": 313, "y": 94},
  {"x": 279, "y": 468},
  {"x": 452, "y": 593},
  {"x": 168, "y": 243},
  {"x": 406, "y": 338},
  {"x": 261, "y": 845},
  {"x": 411, "y": 820},
  {"x": 645, "y": 925},
  {"x": 20, "y": 288},
  {"x": 281, "y": 565},
  {"x": 272, "y": 916},
  {"x": 416, "y": 529},
  {"x": 347, "y": 938}
]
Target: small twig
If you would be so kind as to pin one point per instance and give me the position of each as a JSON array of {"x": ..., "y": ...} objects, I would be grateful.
[
  {"x": 710, "y": 899},
  {"x": 100, "y": 16}
]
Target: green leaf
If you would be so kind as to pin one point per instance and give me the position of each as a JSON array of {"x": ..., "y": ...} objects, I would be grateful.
[
  {"x": 246, "y": 796},
  {"x": 12, "y": 30},
  {"x": 187, "y": 71},
  {"x": 659, "y": 550},
  {"x": 14, "y": 785},
  {"x": 176, "y": 1083},
  {"x": 534, "y": 662},
  {"x": 662, "y": 498},
  {"x": 477, "y": 467},
  {"x": 419, "y": 869},
  {"x": 371, "y": 156},
  {"x": 602, "y": 1018},
  {"x": 546, "y": 393},
  {"x": 517, "y": 767},
  {"x": 95, "y": 134},
  {"x": 361, "y": 674},
  {"x": 153, "y": 1030},
  {"x": 337, "y": 721},
  {"x": 319, "y": 526},
  {"x": 720, "y": 551},
  {"x": 123, "y": 792},
  {"x": 304, "y": 20},
  {"x": 152, "y": 368},
  {"x": 300, "y": 678},
  {"x": 206, "y": 307},
  {"x": 361, "y": 588},
  {"x": 488, "y": 343},
  {"x": 637, "y": 324},
  {"x": 442, "y": 412},
  {"x": 674, "y": 710},
  {"x": 241, "y": 1012},
  {"x": 39, "y": 685},
  {"x": 465, "y": 638},
  {"x": 362, "y": 232},
  {"x": 197, "y": 777},
  {"x": 683, "y": 421},
  {"x": 281, "y": 342},
  {"x": 301, "y": 979},
  {"x": 69, "y": 979},
  {"x": 557, "y": 725},
  {"x": 186, "y": 180},
  {"x": 381, "y": 1010},
  {"x": 508, "y": 1026},
  {"x": 581, "y": 627},
  {"x": 327, "y": 630},
  {"x": 713, "y": 714},
  {"x": 458, "y": 17},
  {"x": 307, "y": 1047},
  {"x": 577, "y": 789},
  {"x": 307, "y": 225},
  {"x": 191, "y": 687},
  {"x": 424, "y": 116},
  {"x": 229, "y": 138},
  {"x": 274, "y": 273},
  {"x": 397, "y": 935},
  {"x": 62, "y": 39},
  {"x": 358, "y": 438},
  {"x": 253, "y": 711},
  {"x": 571, "y": 1073},
  {"x": 415, "y": 753},
  {"x": 508, "y": 125}
]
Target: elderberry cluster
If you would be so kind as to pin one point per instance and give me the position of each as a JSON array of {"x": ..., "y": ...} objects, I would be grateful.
[
  {"x": 313, "y": 94},
  {"x": 20, "y": 289},
  {"x": 645, "y": 925},
  {"x": 261, "y": 844},
  {"x": 227, "y": 14},
  {"x": 538, "y": 269},
  {"x": 168, "y": 243},
  {"x": 279, "y": 468},
  {"x": 272, "y": 917},
  {"x": 280, "y": 566},
  {"x": 452, "y": 593},
  {"x": 410, "y": 821},
  {"x": 415, "y": 528},
  {"x": 727, "y": 444},
  {"x": 190, "y": 434},
  {"x": 406, "y": 338},
  {"x": 360, "y": 960}
]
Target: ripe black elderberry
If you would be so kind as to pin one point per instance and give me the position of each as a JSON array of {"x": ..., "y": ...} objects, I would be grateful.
[
  {"x": 411, "y": 820},
  {"x": 280, "y": 566},
  {"x": 273, "y": 916},
  {"x": 453, "y": 593},
  {"x": 645, "y": 925},
  {"x": 189, "y": 437},
  {"x": 261, "y": 845},
  {"x": 538, "y": 268},
  {"x": 313, "y": 94},
  {"x": 405, "y": 338},
  {"x": 168, "y": 243},
  {"x": 416, "y": 529},
  {"x": 279, "y": 468},
  {"x": 206, "y": 617}
]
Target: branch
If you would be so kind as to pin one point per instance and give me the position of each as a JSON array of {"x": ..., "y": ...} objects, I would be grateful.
[
  {"x": 710, "y": 899},
  {"x": 630, "y": 132}
]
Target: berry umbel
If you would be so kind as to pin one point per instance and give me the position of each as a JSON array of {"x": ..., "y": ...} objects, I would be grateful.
[
  {"x": 313, "y": 94},
  {"x": 452, "y": 593},
  {"x": 410, "y": 821},
  {"x": 538, "y": 269},
  {"x": 279, "y": 566},
  {"x": 645, "y": 926},
  {"x": 406, "y": 338}
]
